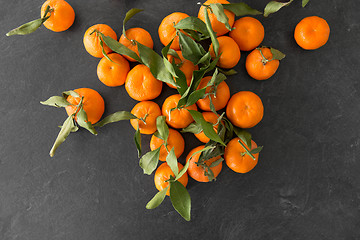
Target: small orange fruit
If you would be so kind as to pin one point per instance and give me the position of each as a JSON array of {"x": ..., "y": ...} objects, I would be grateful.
[
  {"x": 149, "y": 111},
  {"x": 261, "y": 66},
  {"x": 62, "y": 15},
  {"x": 177, "y": 118},
  {"x": 167, "y": 31},
  {"x": 236, "y": 158},
  {"x": 114, "y": 73},
  {"x": 245, "y": 109},
  {"x": 211, "y": 118},
  {"x": 217, "y": 26},
  {"x": 198, "y": 172},
  {"x": 163, "y": 173},
  {"x": 136, "y": 34},
  {"x": 93, "y": 104},
  {"x": 187, "y": 67},
  {"x": 248, "y": 33},
  {"x": 175, "y": 140},
  {"x": 141, "y": 85},
  {"x": 221, "y": 99},
  {"x": 312, "y": 33},
  {"x": 229, "y": 50},
  {"x": 92, "y": 43}
]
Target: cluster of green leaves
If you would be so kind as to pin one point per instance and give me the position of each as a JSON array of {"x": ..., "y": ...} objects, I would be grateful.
[{"x": 32, "y": 26}]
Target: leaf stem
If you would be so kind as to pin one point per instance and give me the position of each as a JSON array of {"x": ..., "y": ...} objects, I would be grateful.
[
  {"x": 264, "y": 60},
  {"x": 247, "y": 151}
]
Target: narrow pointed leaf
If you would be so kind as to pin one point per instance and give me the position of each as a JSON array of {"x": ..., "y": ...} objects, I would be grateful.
[
  {"x": 149, "y": 161},
  {"x": 215, "y": 163},
  {"x": 244, "y": 135},
  {"x": 103, "y": 50},
  {"x": 304, "y": 3},
  {"x": 71, "y": 93},
  {"x": 137, "y": 139},
  {"x": 218, "y": 10},
  {"x": 241, "y": 9},
  {"x": 256, "y": 150},
  {"x": 157, "y": 199},
  {"x": 277, "y": 54},
  {"x": 116, "y": 117},
  {"x": 228, "y": 72},
  {"x": 26, "y": 28},
  {"x": 128, "y": 16},
  {"x": 180, "y": 199},
  {"x": 82, "y": 120},
  {"x": 190, "y": 49},
  {"x": 192, "y": 128},
  {"x": 56, "y": 101},
  {"x": 162, "y": 128},
  {"x": 172, "y": 162},
  {"x": 212, "y": 34},
  {"x": 66, "y": 128},
  {"x": 193, "y": 23},
  {"x": 168, "y": 64},
  {"x": 274, "y": 6},
  {"x": 247, "y": 150},
  {"x": 195, "y": 96}
]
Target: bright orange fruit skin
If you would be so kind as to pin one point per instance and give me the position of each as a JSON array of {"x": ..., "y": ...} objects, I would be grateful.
[
  {"x": 141, "y": 85},
  {"x": 92, "y": 43},
  {"x": 222, "y": 95},
  {"x": 62, "y": 15},
  {"x": 93, "y": 104},
  {"x": 167, "y": 31},
  {"x": 211, "y": 118},
  {"x": 217, "y": 26},
  {"x": 163, "y": 173},
  {"x": 236, "y": 158},
  {"x": 229, "y": 50},
  {"x": 137, "y": 34},
  {"x": 259, "y": 70},
  {"x": 245, "y": 109},
  {"x": 178, "y": 118},
  {"x": 175, "y": 140},
  {"x": 151, "y": 110},
  {"x": 312, "y": 33},
  {"x": 113, "y": 74},
  {"x": 198, "y": 173}
]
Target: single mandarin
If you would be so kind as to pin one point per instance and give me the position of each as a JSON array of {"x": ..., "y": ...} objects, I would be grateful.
[
  {"x": 62, "y": 15},
  {"x": 229, "y": 50},
  {"x": 92, "y": 42},
  {"x": 236, "y": 158},
  {"x": 198, "y": 172},
  {"x": 222, "y": 95},
  {"x": 134, "y": 35},
  {"x": 93, "y": 104},
  {"x": 261, "y": 65},
  {"x": 114, "y": 73},
  {"x": 141, "y": 85},
  {"x": 248, "y": 33},
  {"x": 163, "y": 173},
  {"x": 245, "y": 109},
  {"x": 148, "y": 111},
  {"x": 217, "y": 26},
  {"x": 177, "y": 118},
  {"x": 175, "y": 140}
]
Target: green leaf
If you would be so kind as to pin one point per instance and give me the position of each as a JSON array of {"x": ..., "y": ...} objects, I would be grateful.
[
  {"x": 244, "y": 135},
  {"x": 70, "y": 93},
  {"x": 172, "y": 162},
  {"x": 157, "y": 199},
  {"x": 128, "y": 16},
  {"x": 218, "y": 10},
  {"x": 247, "y": 150},
  {"x": 207, "y": 127},
  {"x": 212, "y": 107},
  {"x": 116, "y": 117},
  {"x": 304, "y": 3},
  {"x": 192, "y": 128},
  {"x": 167, "y": 64},
  {"x": 56, "y": 101},
  {"x": 277, "y": 54},
  {"x": 162, "y": 128},
  {"x": 228, "y": 72},
  {"x": 241, "y": 9},
  {"x": 212, "y": 149},
  {"x": 137, "y": 139},
  {"x": 82, "y": 120},
  {"x": 149, "y": 161},
  {"x": 103, "y": 50},
  {"x": 180, "y": 199},
  {"x": 26, "y": 28},
  {"x": 193, "y": 23},
  {"x": 205, "y": 59},
  {"x": 173, "y": 53},
  {"x": 274, "y": 6},
  {"x": 212, "y": 34},
  {"x": 66, "y": 128},
  {"x": 180, "y": 80},
  {"x": 190, "y": 49},
  {"x": 195, "y": 96},
  {"x": 156, "y": 64},
  {"x": 215, "y": 163},
  {"x": 256, "y": 150},
  {"x": 119, "y": 48}
]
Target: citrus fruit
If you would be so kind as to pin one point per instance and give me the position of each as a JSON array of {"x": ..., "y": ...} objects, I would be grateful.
[
  {"x": 92, "y": 42},
  {"x": 211, "y": 118},
  {"x": 248, "y": 33},
  {"x": 113, "y": 73},
  {"x": 222, "y": 95},
  {"x": 163, "y": 173},
  {"x": 175, "y": 140},
  {"x": 62, "y": 15},
  {"x": 261, "y": 65},
  {"x": 148, "y": 111},
  {"x": 229, "y": 50}
]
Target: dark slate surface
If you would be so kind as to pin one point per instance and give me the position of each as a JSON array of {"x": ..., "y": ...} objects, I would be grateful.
[{"x": 306, "y": 185}]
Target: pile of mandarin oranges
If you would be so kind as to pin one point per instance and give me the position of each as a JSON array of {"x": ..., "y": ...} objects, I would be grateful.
[{"x": 198, "y": 55}]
